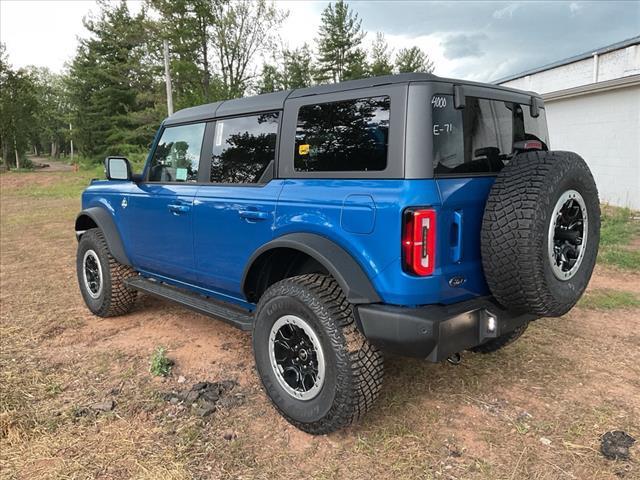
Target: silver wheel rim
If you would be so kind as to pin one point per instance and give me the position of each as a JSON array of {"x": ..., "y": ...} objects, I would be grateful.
[
  {"x": 296, "y": 357},
  {"x": 567, "y": 237},
  {"x": 92, "y": 274}
]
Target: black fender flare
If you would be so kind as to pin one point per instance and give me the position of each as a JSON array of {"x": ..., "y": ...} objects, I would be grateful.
[
  {"x": 339, "y": 263},
  {"x": 104, "y": 221}
]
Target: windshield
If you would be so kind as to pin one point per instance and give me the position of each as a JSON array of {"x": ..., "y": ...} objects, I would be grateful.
[{"x": 480, "y": 138}]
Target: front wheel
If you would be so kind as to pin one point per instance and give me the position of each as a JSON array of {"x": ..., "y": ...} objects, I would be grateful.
[
  {"x": 102, "y": 278},
  {"x": 316, "y": 367}
]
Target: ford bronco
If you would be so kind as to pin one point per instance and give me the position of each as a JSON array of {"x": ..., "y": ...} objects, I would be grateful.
[{"x": 408, "y": 213}]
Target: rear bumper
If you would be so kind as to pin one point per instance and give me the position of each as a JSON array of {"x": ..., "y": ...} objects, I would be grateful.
[{"x": 435, "y": 332}]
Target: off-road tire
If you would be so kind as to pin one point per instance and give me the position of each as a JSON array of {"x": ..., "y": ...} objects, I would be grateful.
[
  {"x": 354, "y": 367},
  {"x": 116, "y": 298},
  {"x": 514, "y": 237},
  {"x": 501, "y": 341}
]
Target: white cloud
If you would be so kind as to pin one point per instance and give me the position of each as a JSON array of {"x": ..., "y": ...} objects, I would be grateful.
[
  {"x": 301, "y": 26},
  {"x": 44, "y": 33},
  {"x": 506, "y": 12},
  {"x": 431, "y": 44},
  {"x": 574, "y": 8}
]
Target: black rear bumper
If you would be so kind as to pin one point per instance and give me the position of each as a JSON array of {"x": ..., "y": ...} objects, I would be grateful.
[{"x": 435, "y": 332}]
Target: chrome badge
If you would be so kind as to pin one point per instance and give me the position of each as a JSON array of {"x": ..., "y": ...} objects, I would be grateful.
[{"x": 457, "y": 281}]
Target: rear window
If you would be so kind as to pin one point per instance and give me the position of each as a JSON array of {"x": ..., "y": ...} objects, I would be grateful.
[
  {"x": 244, "y": 149},
  {"x": 479, "y": 138},
  {"x": 350, "y": 135}
]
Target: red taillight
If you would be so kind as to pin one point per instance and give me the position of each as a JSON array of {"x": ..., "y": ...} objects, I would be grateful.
[
  {"x": 533, "y": 145},
  {"x": 419, "y": 241}
]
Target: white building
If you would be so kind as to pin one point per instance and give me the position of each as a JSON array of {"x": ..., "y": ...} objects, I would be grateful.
[{"x": 593, "y": 108}]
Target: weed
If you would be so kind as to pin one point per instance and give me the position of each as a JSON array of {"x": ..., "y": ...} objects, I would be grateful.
[
  {"x": 160, "y": 364},
  {"x": 607, "y": 299}
]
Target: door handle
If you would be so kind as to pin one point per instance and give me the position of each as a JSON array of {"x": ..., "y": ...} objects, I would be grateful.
[
  {"x": 178, "y": 208},
  {"x": 253, "y": 214},
  {"x": 456, "y": 236}
]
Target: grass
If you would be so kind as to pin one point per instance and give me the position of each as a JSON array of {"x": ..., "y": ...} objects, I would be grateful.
[
  {"x": 432, "y": 421},
  {"x": 160, "y": 365},
  {"x": 608, "y": 299},
  {"x": 620, "y": 227},
  {"x": 67, "y": 185}
]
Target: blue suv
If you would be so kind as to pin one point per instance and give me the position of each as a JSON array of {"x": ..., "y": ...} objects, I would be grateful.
[{"x": 407, "y": 213}]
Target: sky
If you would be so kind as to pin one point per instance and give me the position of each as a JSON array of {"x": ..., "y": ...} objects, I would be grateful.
[{"x": 474, "y": 40}]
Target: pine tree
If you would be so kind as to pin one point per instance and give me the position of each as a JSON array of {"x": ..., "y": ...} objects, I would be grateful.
[
  {"x": 340, "y": 36},
  {"x": 298, "y": 67},
  {"x": 381, "y": 57},
  {"x": 113, "y": 84},
  {"x": 188, "y": 26},
  {"x": 271, "y": 79},
  {"x": 413, "y": 60}
]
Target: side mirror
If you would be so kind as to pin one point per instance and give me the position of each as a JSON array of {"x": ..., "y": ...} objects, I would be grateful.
[{"x": 117, "y": 168}]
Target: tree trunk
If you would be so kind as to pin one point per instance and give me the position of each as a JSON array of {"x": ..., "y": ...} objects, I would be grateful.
[
  {"x": 15, "y": 148},
  {"x": 205, "y": 60}
]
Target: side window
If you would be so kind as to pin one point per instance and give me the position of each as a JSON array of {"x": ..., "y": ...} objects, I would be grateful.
[
  {"x": 177, "y": 155},
  {"x": 350, "y": 135},
  {"x": 244, "y": 149}
]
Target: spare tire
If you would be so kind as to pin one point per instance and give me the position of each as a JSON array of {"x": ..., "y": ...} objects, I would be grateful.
[{"x": 540, "y": 232}]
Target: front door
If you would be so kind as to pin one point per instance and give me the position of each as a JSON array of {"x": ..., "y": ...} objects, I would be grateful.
[
  {"x": 234, "y": 214},
  {"x": 161, "y": 207}
]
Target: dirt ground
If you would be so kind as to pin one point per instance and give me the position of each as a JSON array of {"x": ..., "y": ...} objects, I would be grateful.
[{"x": 535, "y": 410}]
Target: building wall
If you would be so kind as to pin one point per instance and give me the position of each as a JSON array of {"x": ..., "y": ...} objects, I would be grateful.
[
  {"x": 604, "y": 128},
  {"x": 616, "y": 64}
]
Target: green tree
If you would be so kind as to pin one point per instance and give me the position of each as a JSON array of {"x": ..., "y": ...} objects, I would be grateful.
[
  {"x": 188, "y": 26},
  {"x": 270, "y": 80},
  {"x": 18, "y": 111},
  {"x": 340, "y": 56},
  {"x": 113, "y": 84},
  {"x": 381, "y": 57},
  {"x": 54, "y": 114},
  {"x": 413, "y": 60},
  {"x": 298, "y": 67},
  {"x": 242, "y": 30}
]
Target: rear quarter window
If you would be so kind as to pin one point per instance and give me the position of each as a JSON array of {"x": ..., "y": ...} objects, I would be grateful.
[{"x": 349, "y": 135}]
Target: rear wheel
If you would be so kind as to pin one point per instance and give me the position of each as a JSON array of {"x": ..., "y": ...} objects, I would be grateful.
[
  {"x": 102, "y": 278},
  {"x": 540, "y": 233},
  {"x": 316, "y": 367}
]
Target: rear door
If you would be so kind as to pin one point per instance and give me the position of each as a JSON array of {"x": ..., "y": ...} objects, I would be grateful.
[
  {"x": 160, "y": 208},
  {"x": 234, "y": 212},
  {"x": 470, "y": 147}
]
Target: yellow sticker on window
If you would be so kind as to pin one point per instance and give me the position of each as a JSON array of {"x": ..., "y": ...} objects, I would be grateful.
[{"x": 303, "y": 149}]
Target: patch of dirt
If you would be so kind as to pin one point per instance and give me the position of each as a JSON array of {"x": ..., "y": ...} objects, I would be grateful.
[
  {"x": 566, "y": 381},
  {"x": 46, "y": 164},
  {"x": 613, "y": 279}
]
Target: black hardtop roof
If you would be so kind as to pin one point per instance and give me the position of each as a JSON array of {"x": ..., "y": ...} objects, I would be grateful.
[{"x": 275, "y": 101}]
